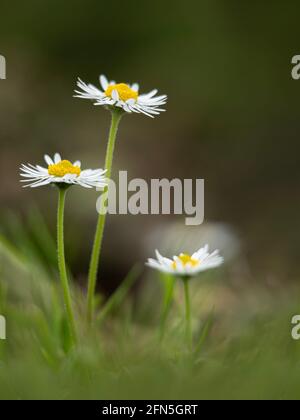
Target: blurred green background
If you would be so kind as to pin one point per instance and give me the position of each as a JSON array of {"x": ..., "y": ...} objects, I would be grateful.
[{"x": 232, "y": 118}]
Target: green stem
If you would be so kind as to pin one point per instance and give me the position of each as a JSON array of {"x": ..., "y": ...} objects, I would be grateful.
[
  {"x": 62, "y": 263},
  {"x": 94, "y": 263},
  {"x": 188, "y": 326}
]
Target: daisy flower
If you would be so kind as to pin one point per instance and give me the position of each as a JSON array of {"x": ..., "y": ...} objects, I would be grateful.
[
  {"x": 62, "y": 172},
  {"x": 120, "y": 99},
  {"x": 186, "y": 265},
  {"x": 122, "y": 95}
]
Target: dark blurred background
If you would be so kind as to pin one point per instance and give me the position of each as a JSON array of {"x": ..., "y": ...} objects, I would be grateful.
[{"x": 232, "y": 118}]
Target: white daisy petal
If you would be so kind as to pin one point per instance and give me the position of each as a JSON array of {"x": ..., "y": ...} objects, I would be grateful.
[
  {"x": 135, "y": 87},
  {"x": 115, "y": 95},
  {"x": 48, "y": 160},
  {"x": 57, "y": 158},
  {"x": 88, "y": 91},
  {"x": 103, "y": 82},
  {"x": 39, "y": 183},
  {"x": 41, "y": 169},
  {"x": 126, "y": 108},
  {"x": 150, "y": 94},
  {"x": 131, "y": 102}
]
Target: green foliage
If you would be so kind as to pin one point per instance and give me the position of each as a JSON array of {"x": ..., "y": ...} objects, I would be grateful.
[{"x": 251, "y": 355}]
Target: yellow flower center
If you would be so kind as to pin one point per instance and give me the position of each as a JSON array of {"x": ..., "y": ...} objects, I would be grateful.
[
  {"x": 124, "y": 91},
  {"x": 63, "y": 168},
  {"x": 186, "y": 259}
]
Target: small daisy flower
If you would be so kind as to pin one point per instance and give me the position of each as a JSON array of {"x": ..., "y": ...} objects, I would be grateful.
[
  {"x": 122, "y": 95},
  {"x": 62, "y": 172},
  {"x": 186, "y": 265}
]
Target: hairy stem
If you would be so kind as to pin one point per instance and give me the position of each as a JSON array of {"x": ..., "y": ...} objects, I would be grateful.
[
  {"x": 94, "y": 263},
  {"x": 62, "y": 264}
]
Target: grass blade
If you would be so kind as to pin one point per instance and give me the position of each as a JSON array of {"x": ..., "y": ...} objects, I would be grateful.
[{"x": 119, "y": 295}]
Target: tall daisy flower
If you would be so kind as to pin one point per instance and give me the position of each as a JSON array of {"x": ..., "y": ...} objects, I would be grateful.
[
  {"x": 119, "y": 99},
  {"x": 122, "y": 96},
  {"x": 186, "y": 266},
  {"x": 63, "y": 174}
]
